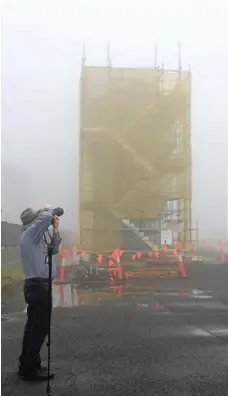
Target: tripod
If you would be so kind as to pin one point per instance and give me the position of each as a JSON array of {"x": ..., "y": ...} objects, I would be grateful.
[{"x": 50, "y": 254}]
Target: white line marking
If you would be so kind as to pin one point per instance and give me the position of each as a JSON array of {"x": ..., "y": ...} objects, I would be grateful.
[{"x": 201, "y": 333}]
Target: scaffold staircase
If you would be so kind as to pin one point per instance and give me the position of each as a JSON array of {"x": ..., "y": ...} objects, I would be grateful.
[{"x": 140, "y": 234}]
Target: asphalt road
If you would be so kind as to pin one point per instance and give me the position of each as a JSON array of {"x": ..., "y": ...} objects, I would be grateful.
[{"x": 160, "y": 338}]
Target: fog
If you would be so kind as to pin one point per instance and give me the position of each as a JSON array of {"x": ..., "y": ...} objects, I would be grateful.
[{"x": 41, "y": 61}]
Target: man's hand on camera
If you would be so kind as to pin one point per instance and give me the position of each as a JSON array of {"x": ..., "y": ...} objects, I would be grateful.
[{"x": 55, "y": 224}]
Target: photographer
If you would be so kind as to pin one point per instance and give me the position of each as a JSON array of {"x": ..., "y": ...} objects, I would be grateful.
[{"x": 33, "y": 245}]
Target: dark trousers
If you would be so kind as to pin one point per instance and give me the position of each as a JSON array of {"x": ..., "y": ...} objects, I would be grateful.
[{"x": 37, "y": 325}]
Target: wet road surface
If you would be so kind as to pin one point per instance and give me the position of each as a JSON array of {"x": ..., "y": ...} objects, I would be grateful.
[{"x": 159, "y": 337}]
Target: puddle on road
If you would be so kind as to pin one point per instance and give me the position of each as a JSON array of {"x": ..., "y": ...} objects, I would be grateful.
[{"x": 71, "y": 295}]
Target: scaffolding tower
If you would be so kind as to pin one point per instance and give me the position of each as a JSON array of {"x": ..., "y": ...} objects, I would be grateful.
[{"x": 135, "y": 152}]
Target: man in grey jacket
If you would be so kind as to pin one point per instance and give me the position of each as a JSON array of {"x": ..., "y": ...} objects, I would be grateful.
[{"x": 33, "y": 245}]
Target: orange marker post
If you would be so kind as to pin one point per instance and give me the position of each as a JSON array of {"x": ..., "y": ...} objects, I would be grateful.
[
  {"x": 120, "y": 275},
  {"x": 74, "y": 255},
  {"x": 64, "y": 254},
  {"x": 181, "y": 267}
]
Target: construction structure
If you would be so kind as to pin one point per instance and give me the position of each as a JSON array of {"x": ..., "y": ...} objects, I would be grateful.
[{"x": 135, "y": 154}]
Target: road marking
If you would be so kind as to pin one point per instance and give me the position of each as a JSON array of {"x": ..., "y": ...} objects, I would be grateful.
[
  {"x": 201, "y": 333},
  {"x": 222, "y": 332}
]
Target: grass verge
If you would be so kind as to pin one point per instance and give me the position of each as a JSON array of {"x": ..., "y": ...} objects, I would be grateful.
[{"x": 11, "y": 273}]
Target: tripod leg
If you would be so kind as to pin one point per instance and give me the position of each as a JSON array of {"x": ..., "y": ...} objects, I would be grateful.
[
  {"x": 50, "y": 252},
  {"x": 48, "y": 389}
]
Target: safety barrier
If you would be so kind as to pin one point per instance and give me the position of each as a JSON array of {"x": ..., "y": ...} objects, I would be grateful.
[
  {"x": 219, "y": 248},
  {"x": 163, "y": 263},
  {"x": 69, "y": 295}
]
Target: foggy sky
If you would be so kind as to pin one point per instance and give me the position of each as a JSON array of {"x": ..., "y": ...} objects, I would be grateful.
[{"x": 41, "y": 61}]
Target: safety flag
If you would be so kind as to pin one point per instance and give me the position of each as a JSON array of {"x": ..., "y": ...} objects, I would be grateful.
[{"x": 115, "y": 254}]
